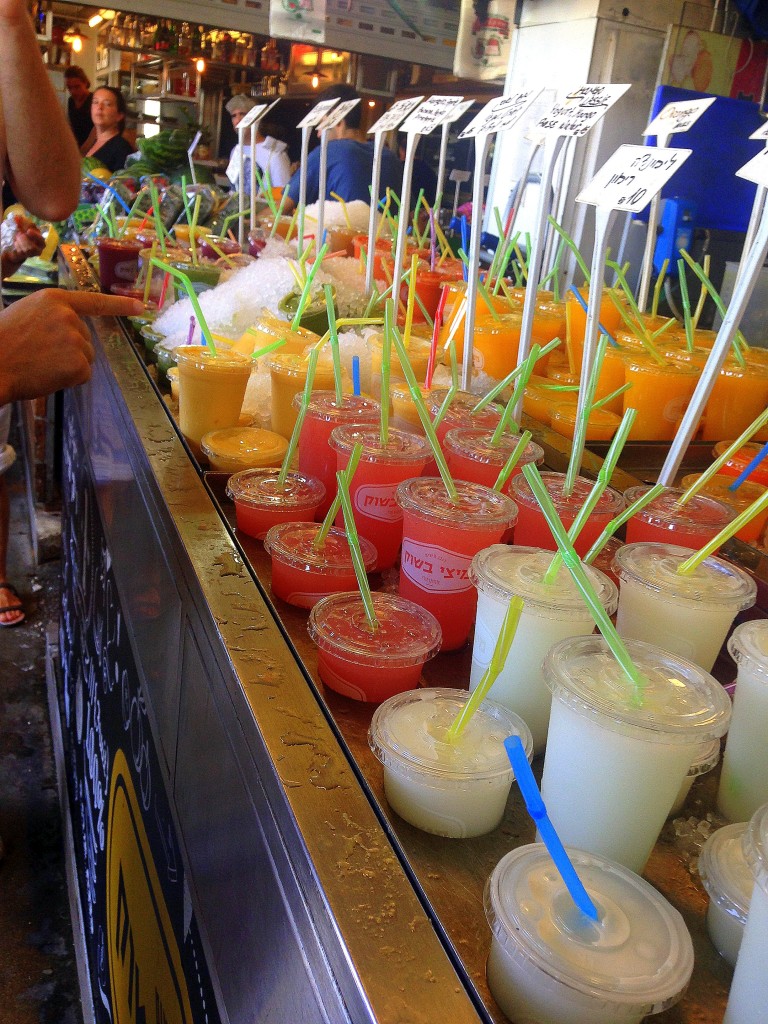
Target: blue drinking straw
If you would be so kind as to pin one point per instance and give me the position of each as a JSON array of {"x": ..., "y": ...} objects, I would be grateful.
[
  {"x": 535, "y": 807},
  {"x": 603, "y": 330},
  {"x": 750, "y": 468},
  {"x": 108, "y": 188},
  {"x": 355, "y": 375}
]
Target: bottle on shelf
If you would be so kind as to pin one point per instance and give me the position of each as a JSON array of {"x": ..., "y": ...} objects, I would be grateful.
[{"x": 184, "y": 45}]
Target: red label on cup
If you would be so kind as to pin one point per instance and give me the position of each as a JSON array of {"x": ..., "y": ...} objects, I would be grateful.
[
  {"x": 433, "y": 568},
  {"x": 378, "y": 502}
]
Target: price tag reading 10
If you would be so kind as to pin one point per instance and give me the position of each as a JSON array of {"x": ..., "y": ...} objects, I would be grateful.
[{"x": 632, "y": 177}]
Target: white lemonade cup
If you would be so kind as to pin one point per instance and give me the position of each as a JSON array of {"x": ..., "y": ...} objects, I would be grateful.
[{"x": 728, "y": 880}]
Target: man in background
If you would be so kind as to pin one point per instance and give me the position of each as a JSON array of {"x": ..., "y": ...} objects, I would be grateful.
[
  {"x": 78, "y": 86},
  {"x": 271, "y": 153}
]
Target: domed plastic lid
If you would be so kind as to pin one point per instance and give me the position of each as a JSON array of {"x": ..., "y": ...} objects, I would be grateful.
[
  {"x": 748, "y": 646},
  {"x": 201, "y": 355},
  {"x": 640, "y": 951},
  {"x": 476, "y": 506},
  {"x": 707, "y": 757},
  {"x": 504, "y": 572},
  {"x": 714, "y": 582},
  {"x": 260, "y": 488},
  {"x": 610, "y": 503},
  {"x": 756, "y": 846},
  {"x": 679, "y": 702},
  {"x": 407, "y": 634},
  {"x": 718, "y": 487},
  {"x": 400, "y": 447},
  {"x": 408, "y": 732},
  {"x": 475, "y": 443},
  {"x": 698, "y": 512},
  {"x": 239, "y": 444},
  {"x": 294, "y": 544},
  {"x": 459, "y": 413},
  {"x": 351, "y": 409},
  {"x": 724, "y": 871}
]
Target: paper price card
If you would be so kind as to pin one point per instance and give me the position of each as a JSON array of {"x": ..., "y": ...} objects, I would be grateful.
[
  {"x": 316, "y": 114},
  {"x": 761, "y": 133},
  {"x": 580, "y": 110},
  {"x": 430, "y": 115},
  {"x": 678, "y": 116},
  {"x": 337, "y": 115},
  {"x": 252, "y": 115},
  {"x": 396, "y": 113},
  {"x": 500, "y": 114},
  {"x": 756, "y": 169},
  {"x": 632, "y": 176}
]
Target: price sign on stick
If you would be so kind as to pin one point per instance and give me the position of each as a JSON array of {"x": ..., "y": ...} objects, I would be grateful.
[
  {"x": 678, "y": 116},
  {"x": 337, "y": 115},
  {"x": 761, "y": 133},
  {"x": 580, "y": 110},
  {"x": 632, "y": 177},
  {"x": 307, "y": 123},
  {"x": 430, "y": 115},
  {"x": 251, "y": 116},
  {"x": 756, "y": 169},
  {"x": 316, "y": 114},
  {"x": 500, "y": 114},
  {"x": 396, "y": 114}
]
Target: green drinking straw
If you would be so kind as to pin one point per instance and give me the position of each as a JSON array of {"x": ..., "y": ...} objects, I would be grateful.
[
  {"x": 333, "y": 511},
  {"x": 598, "y": 488},
  {"x": 481, "y": 289},
  {"x": 354, "y": 547},
  {"x": 721, "y": 460},
  {"x": 658, "y": 286},
  {"x": 500, "y": 655},
  {"x": 129, "y": 215},
  {"x": 293, "y": 444},
  {"x": 739, "y": 338},
  {"x": 181, "y": 276},
  {"x": 641, "y": 330},
  {"x": 609, "y": 398},
  {"x": 702, "y": 294},
  {"x": 386, "y": 360},
  {"x": 231, "y": 219},
  {"x": 572, "y": 246},
  {"x": 159, "y": 229},
  {"x": 612, "y": 526},
  {"x": 759, "y": 505},
  {"x": 689, "y": 341},
  {"x": 497, "y": 389},
  {"x": 335, "y": 356},
  {"x": 576, "y": 569},
  {"x": 267, "y": 348},
  {"x": 523, "y": 273},
  {"x": 504, "y": 263},
  {"x": 520, "y": 385},
  {"x": 452, "y": 390},
  {"x": 185, "y": 199},
  {"x": 426, "y": 423},
  {"x": 512, "y": 461},
  {"x": 582, "y": 423}
]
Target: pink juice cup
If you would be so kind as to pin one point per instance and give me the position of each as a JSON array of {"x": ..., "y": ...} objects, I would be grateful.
[
  {"x": 532, "y": 530},
  {"x": 459, "y": 414},
  {"x": 440, "y": 539},
  {"x": 690, "y": 526},
  {"x": 324, "y": 413},
  {"x": 260, "y": 501},
  {"x": 382, "y": 467},
  {"x": 372, "y": 665},
  {"x": 118, "y": 261},
  {"x": 471, "y": 455},
  {"x": 302, "y": 573}
]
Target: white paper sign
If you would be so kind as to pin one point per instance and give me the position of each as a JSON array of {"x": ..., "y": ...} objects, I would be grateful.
[
  {"x": 632, "y": 176},
  {"x": 678, "y": 116},
  {"x": 317, "y": 113},
  {"x": 251, "y": 115},
  {"x": 430, "y": 115},
  {"x": 337, "y": 115},
  {"x": 500, "y": 114},
  {"x": 391, "y": 118},
  {"x": 756, "y": 169},
  {"x": 580, "y": 110},
  {"x": 459, "y": 111},
  {"x": 761, "y": 133}
]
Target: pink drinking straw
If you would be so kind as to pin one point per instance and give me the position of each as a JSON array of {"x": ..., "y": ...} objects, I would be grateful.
[
  {"x": 435, "y": 334},
  {"x": 191, "y": 331}
]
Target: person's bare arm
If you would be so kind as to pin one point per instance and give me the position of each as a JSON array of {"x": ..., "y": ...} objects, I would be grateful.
[
  {"x": 44, "y": 343},
  {"x": 43, "y": 164}
]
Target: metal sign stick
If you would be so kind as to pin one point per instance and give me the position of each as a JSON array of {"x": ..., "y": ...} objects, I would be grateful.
[
  {"x": 321, "y": 186},
  {"x": 482, "y": 145},
  {"x": 650, "y": 240},
  {"x": 378, "y": 146},
  {"x": 444, "y": 132},
  {"x": 241, "y": 184}
]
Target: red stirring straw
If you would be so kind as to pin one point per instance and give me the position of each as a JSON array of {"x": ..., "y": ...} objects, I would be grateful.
[{"x": 435, "y": 335}]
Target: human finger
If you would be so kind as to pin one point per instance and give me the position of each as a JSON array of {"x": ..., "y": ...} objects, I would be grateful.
[{"x": 97, "y": 304}]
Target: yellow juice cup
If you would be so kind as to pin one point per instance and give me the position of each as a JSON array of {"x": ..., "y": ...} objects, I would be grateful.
[
  {"x": 660, "y": 393},
  {"x": 404, "y": 414},
  {"x": 288, "y": 375},
  {"x": 211, "y": 391},
  {"x": 601, "y": 425},
  {"x": 739, "y": 396},
  {"x": 269, "y": 328},
  {"x": 235, "y": 448},
  {"x": 740, "y": 499},
  {"x": 181, "y": 233},
  {"x": 418, "y": 350}
]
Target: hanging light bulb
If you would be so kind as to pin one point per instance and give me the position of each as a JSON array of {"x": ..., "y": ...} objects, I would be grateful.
[
  {"x": 315, "y": 81},
  {"x": 95, "y": 20},
  {"x": 200, "y": 65},
  {"x": 77, "y": 44}
]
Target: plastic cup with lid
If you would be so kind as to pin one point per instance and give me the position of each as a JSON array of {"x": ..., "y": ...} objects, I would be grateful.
[
  {"x": 691, "y": 525},
  {"x": 551, "y": 612},
  {"x": 235, "y": 448},
  {"x": 471, "y": 455},
  {"x": 549, "y": 962},
  {"x": 262, "y": 502},
  {"x": 366, "y": 664},
  {"x": 211, "y": 390},
  {"x": 687, "y": 614},
  {"x": 748, "y": 997},
  {"x": 728, "y": 880},
  {"x": 707, "y": 758},
  {"x": 301, "y": 573},
  {"x": 617, "y": 754},
  {"x": 456, "y": 789},
  {"x": 744, "y": 776}
]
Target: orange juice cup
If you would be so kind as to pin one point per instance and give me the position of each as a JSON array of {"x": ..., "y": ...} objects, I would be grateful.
[
  {"x": 261, "y": 503},
  {"x": 601, "y": 425},
  {"x": 429, "y": 285},
  {"x": 717, "y": 487},
  {"x": 740, "y": 459},
  {"x": 660, "y": 393},
  {"x": 690, "y": 526},
  {"x": 404, "y": 414},
  {"x": 288, "y": 375},
  {"x": 269, "y": 328},
  {"x": 235, "y": 448},
  {"x": 382, "y": 467},
  {"x": 738, "y": 397},
  {"x": 440, "y": 539},
  {"x": 539, "y": 401},
  {"x": 471, "y": 455},
  {"x": 610, "y": 317},
  {"x": 418, "y": 350},
  {"x": 211, "y": 391}
]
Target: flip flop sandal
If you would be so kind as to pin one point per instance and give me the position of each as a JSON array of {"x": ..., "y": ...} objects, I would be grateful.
[{"x": 18, "y": 607}]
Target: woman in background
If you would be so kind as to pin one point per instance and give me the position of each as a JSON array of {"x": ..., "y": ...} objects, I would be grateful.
[{"x": 108, "y": 114}]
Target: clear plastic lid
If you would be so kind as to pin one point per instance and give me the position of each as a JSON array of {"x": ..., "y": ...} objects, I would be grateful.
[
  {"x": 294, "y": 544},
  {"x": 640, "y": 952},
  {"x": 724, "y": 870},
  {"x": 408, "y": 732},
  {"x": 679, "y": 702},
  {"x": 351, "y": 409},
  {"x": 610, "y": 503},
  {"x": 718, "y": 487},
  {"x": 241, "y": 444},
  {"x": 707, "y": 757},
  {"x": 407, "y": 634},
  {"x": 400, "y": 447},
  {"x": 756, "y": 846},
  {"x": 475, "y": 443},
  {"x": 460, "y": 413},
  {"x": 260, "y": 488},
  {"x": 714, "y": 582},
  {"x": 700, "y": 511},
  {"x": 201, "y": 355},
  {"x": 290, "y": 364},
  {"x": 476, "y": 506},
  {"x": 748, "y": 646},
  {"x": 504, "y": 572}
]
